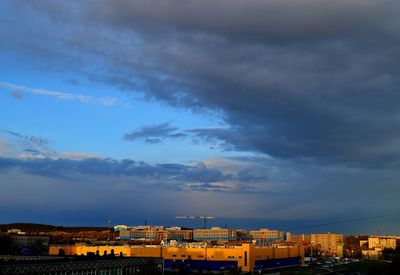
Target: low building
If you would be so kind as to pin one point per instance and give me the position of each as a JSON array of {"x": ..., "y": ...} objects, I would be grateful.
[
  {"x": 178, "y": 234},
  {"x": 215, "y": 234},
  {"x": 156, "y": 233},
  {"x": 382, "y": 242},
  {"x": 199, "y": 257},
  {"x": 118, "y": 228},
  {"x": 298, "y": 238},
  {"x": 376, "y": 244},
  {"x": 146, "y": 232},
  {"x": 16, "y": 231},
  {"x": 27, "y": 241},
  {"x": 265, "y": 234},
  {"x": 31, "y": 245}
]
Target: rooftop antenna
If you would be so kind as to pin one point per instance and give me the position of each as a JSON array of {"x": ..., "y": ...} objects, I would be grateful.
[{"x": 204, "y": 218}]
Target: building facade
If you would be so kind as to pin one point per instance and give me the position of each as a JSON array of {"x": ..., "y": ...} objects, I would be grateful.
[
  {"x": 199, "y": 257},
  {"x": 298, "y": 238},
  {"x": 215, "y": 234},
  {"x": 159, "y": 233},
  {"x": 382, "y": 242},
  {"x": 266, "y": 234},
  {"x": 376, "y": 244},
  {"x": 328, "y": 243}
]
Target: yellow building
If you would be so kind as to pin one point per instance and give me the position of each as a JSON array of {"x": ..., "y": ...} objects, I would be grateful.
[
  {"x": 298, "y": 238},
  {"x": 382, "y": 242},
  {"x": 245, "y": 257},
  {"x": 376, "y": 244},
  {"x": 328, "y": 243}
]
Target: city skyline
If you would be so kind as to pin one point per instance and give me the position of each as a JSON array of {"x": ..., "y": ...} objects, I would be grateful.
[{"x": 264, "y": 114}]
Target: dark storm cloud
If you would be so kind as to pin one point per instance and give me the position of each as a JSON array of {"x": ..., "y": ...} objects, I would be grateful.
[
  {"x": 176, "y": 176},
  {"x": 154, "y": 133},
  {"x": 272, "y": 21},
  {"x": 294, "y": 80}
]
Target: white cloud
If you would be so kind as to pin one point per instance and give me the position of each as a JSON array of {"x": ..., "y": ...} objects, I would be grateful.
[
  {"x": 35, "y": 156},
  {"x": 106, "y": 101}
]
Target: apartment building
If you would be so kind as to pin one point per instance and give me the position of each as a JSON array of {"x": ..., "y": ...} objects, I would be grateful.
[
  {"x": 215, "y": 234},
  {"x": 328, "y": 243},
  {"x": 376, "y": 244},
  {"x": 382, "y": 242},
  {"x": 298, "y": 238}
]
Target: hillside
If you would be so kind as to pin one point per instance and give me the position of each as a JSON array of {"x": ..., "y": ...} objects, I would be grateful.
[{"x": 33, "y": 227}]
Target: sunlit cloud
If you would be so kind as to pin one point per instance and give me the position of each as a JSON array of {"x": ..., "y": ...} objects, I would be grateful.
[{"x": 78, "y": 156}]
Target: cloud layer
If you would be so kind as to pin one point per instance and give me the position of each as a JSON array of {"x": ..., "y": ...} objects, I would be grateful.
[
  {"x": 154, "y": 133},
  {"x": 178, "y": 177},
  {"x": 293, "y": 79},
  {"x": 308, "y": 87}
]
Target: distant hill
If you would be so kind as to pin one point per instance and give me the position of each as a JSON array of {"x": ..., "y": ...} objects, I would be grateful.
[{"x": 34, "y": 227}]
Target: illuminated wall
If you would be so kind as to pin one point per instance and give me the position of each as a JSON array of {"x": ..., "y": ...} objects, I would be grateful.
[
  {"x": 381, "y": 242},
  {"x": 329, "y": 243},
  {"x": 244, "y": 256}
]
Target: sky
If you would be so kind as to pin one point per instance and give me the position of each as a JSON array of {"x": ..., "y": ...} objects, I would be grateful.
[{"x": 263, "y": 113}]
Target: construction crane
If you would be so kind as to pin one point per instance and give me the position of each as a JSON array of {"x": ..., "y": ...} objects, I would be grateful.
[{"x": 204, "y": 218}]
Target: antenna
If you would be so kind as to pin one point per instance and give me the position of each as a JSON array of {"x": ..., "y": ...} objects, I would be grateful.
[{"x": 204, "y": 218}]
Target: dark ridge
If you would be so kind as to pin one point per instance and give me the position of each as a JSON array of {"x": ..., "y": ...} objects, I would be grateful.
[{"x": 34, "y": 227}]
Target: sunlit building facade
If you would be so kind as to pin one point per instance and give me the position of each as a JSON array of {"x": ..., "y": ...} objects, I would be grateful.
[
  {"x": 328, "y": 243},
  {"x": 215, "y": 234},
  {"x": 267, "y": 234},
  {"x": 376, "y": 244},
  {"x": 199, "y": 256}
]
